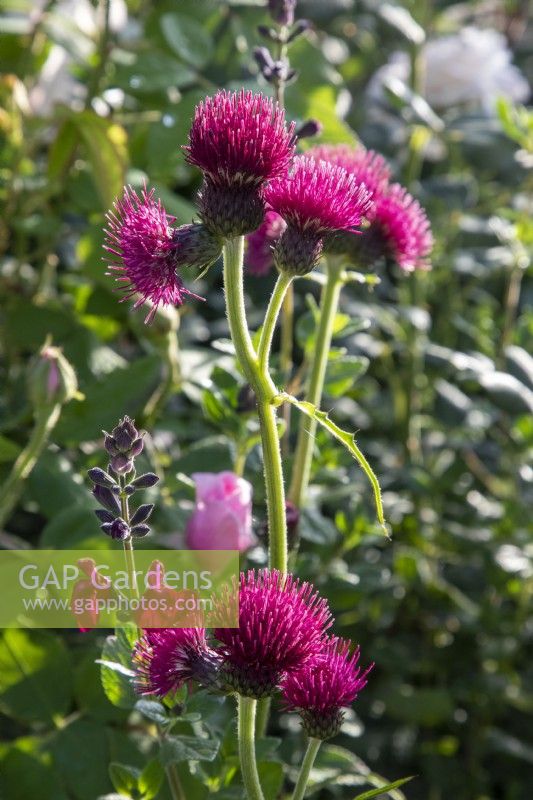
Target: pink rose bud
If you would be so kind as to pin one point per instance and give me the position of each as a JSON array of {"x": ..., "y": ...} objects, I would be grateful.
[{"x": 222, "y": 519}]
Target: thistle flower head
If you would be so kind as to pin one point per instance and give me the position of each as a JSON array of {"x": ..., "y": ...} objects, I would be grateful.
[
  {"x": 239, "y": 139},
  {"x": 165, "y": 659},
  {"x": 259, "y": 244},
  {"x": 143, "y": 252},
  {"x": 404, "y": 227},
  {"x": 316, "y": 198},
  {"x": 324, "y": 686},
  {"x": 366, "y": 166},
  {"x": 282, "y": 623}
]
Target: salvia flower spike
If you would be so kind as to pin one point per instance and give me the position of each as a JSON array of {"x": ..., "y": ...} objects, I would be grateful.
[{"x": 123, "y": 445}]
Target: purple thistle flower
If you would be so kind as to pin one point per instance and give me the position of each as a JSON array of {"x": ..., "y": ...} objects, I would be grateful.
[
  {"x": 240, "y": 139},
  {"x": 143, "y": 251},
  {"x": 259, "y": 244},
  {"x": 402, "y": 223},
  {"x": 164, "y": 659},
  {"x": 314, "y": 199},
  {"x": 324, "y": 686},
  {"x": 282, "y": 624},
  {"x": 318, "y": 196},
  {"x": 366, "y": 166}
]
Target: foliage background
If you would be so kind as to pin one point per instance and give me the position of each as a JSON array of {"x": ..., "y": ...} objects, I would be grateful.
[{"x": 442, "y": 406}]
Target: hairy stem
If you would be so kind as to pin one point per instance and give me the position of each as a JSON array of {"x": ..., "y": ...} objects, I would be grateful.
[
  {"x": 307, "y": 764},
  {"x": 246, "y": 732},
  {"x": 307, "y": 430},
  {"x": 45, "y": 421},
  {"x": 258, "y": 377},
  {"x": 277, "y": 300}
]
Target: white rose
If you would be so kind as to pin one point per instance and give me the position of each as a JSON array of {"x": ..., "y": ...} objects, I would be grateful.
[{"x": 472, "y": 67}]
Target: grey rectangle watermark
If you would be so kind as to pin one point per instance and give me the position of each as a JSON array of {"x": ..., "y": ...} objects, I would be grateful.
[{"x": 104, "y": 589}]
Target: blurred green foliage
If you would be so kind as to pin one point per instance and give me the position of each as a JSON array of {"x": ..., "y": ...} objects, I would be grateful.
[{"x": 432, "y": 370}]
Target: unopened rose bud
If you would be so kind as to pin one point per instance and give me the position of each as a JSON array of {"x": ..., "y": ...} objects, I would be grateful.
[{"x": 51, "y": 378}]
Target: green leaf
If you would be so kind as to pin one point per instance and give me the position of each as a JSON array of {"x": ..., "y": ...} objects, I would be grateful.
[
  {"x": 81, "y": 754},
  {"x": 124, "y": 778},
  {"x": 75, "y": 528},
  {"x": 188, "y": 748},
  {"x": 27, "y": 771},
  {"x": 35, "y": 675},
  {"x": 348, "y": 440},
  {"x": 383, "y": 789},
  {"x": 151, "y": 779},
  {"x": 271, "y": 778},
  {"x": 154, "y": 72},
  {"x": 187, "y": 38},
  {"x": 62, "y": 150},
  {"x": 105, "y": 143},
  {"x": 8, "y": 450},
  {"x": 152, "y": 710},
  {"x": 54, "y": 484},
  {"x": 116, "y": 672},
  {"x": 124, "y": 391}
]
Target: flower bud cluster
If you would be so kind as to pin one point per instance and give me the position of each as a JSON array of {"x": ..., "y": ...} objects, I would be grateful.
[{"x": 114, "y": 486}]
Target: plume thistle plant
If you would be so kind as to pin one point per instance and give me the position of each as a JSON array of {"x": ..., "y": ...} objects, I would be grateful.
[{"x": 331, "y": 209}]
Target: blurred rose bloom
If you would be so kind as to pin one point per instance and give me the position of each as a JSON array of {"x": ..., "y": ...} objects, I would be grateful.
[
  {"x": 222, "y": 518},
  {"x": 472, "y": 67}
]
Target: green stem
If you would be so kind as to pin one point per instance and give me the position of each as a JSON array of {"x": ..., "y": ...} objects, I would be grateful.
[
  {"x": 45, "y": 421},
  {"x": 246, "y": 729},
  {"x": 176, "y": 789},
  {"x": 276, "y": 301},
  {"x": 307, "y": 765},
  {"x": 275, "y": 491},
  {"x": 265, "y": 390},
  {"x": 128, "y": 543},
  {"x": 263, "y": 713},
  {"x": 307, "y": 430}
]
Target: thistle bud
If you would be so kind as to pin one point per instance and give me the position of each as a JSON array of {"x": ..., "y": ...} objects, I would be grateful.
[
  {"x": 230, "y": 211},
  {"x": 51, "y": 378},
  {"x": 297, "y": 251},
  {"x": 197, "y": 246}
]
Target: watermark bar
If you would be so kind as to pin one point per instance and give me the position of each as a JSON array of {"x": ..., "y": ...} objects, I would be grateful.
[{"x": 98, "y": 589}]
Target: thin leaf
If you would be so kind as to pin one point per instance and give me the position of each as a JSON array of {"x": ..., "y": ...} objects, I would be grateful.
[
  {"x": 383, "y": 789},
  {"x": 348, "y": 440}
]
